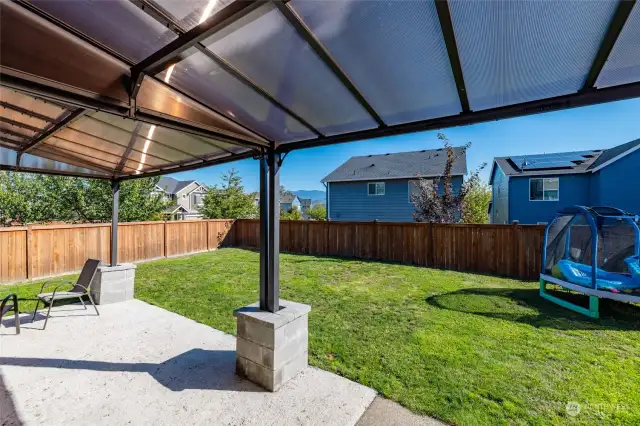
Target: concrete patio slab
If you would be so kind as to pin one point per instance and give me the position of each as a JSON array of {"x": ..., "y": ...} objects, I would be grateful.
[{"x": 140, "y": 364}]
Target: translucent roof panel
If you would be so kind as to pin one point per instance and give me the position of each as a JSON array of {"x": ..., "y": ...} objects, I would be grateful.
[
  {"x": 118, "y": 24},
  {"x": 91, "y": 155},
  {"x": 519, "y": 51},
  {"x": 268, "y": 50},
  {"x": 203, "y": 79},
  {"x": 12, "y": 100},
  {"x": 623, "y": 65},
  {"x": 394, "y": 52},
  {"x": 46, "y": 161},
  {"x": 193, "y": 12}
]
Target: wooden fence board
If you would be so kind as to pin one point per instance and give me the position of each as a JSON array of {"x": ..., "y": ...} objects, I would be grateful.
[{"x": 508, "y": 250}]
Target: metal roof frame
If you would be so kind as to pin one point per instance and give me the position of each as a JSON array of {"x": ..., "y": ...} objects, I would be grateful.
[{"x": 174, "y": 51}]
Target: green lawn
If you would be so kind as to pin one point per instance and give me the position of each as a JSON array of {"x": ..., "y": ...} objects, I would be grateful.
[{"x": 468, "y": 349}]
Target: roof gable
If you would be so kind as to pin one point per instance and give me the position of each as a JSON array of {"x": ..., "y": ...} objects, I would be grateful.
[
  {"x": 612, "y": 155},
  {"x": 401, "y": 165}
]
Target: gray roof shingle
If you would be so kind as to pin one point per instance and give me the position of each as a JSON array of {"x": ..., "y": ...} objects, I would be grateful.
[
  {"x": 400, "y": 165},
  {"x": 172, "y": 186},
  {"x": 612, "y": 153}
]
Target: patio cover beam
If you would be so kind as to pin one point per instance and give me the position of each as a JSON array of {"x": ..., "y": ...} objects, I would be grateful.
[
  {"x": 270, "y": 163},
  {"x": 115, "y": 191},
  {"x": 324, "y": 55},
  {"x": 446, "y": 24},
  {"x": 615, "y": 28},
  {"x": 127, "y": 151},
  {"x": 159, "y": 14},
  {"x": 171, "y": 53},
  {"x": 592, "y": 97}
]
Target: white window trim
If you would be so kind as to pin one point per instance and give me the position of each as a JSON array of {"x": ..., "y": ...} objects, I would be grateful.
[
  {"x": 384, "y": 189},
  {"x": 543, "y": 182}
]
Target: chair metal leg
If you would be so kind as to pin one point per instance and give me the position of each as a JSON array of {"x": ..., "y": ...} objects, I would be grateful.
[
  {"x": 94, "y": 305},
  {"x": 48, "y": 312},
  {"x": 82, "y": 301},
  {"x": 15, "y": 309},
  {"x": 35, "y": 311}
]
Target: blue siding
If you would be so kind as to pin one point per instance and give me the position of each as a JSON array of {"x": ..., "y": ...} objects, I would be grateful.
[
  {"x": 617, "y": 185},
  {"x": 349, "y": 201},
  {"x": 574, "y": 190},
  {"x": 499, "y": 197}
]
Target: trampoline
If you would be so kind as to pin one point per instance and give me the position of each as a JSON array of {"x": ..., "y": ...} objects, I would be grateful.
[{"x": 594, "y": 251}]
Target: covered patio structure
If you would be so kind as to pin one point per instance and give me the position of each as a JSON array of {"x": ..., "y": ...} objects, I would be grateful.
[{"x": 125, "y": 89}]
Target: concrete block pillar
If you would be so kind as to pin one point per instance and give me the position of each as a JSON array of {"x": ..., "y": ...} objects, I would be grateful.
[
  {"x": 113, "y": 284},
  {"x": 271, "y": 348}
]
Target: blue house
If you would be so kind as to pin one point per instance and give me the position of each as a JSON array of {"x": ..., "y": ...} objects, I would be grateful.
[
  {"x": 533, "y": 188},
  {"x": 379, "y": 187}
]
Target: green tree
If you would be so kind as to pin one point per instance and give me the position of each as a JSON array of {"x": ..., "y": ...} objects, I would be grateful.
[
  {"x": 24, "y": 198},
  {"x": 475, "y": 208},
  {"x": 32, "y": 198},
  {"x": 291, "y": 214},
  {"x": 229, "y": 201},
  {"x": 317, "y": 212}
]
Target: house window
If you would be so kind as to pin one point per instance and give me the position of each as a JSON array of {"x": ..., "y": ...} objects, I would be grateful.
[
  {"x": 197, "y": 199},
  {"x": 544, "y": 189},
  {"x": 376, "y": 188}
]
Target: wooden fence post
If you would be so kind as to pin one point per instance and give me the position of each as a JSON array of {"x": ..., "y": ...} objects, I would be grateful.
[
  {"x": 29, "y": 252},
  {"x": 207, "y": 231},
  {"x": 521, "y": 254},
  {"x": 165, "y": 239},
  {"x": 429, "y": 258},
  {"x": 375, "y": 239},
  {"x": 518, "y": 251}
]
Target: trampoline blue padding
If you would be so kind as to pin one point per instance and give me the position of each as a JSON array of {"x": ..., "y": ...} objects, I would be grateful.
[
  {"x": 581, "y": 274},
  {"x": 633, "y": 263}
]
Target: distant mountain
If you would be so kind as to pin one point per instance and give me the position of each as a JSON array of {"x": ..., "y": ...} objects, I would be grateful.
[{"x": 315, "y": 195}]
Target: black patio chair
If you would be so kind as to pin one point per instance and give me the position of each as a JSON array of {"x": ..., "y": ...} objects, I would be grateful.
[
  {"x": 8, "y": 304},
  {"x": 80, "y": 289}
]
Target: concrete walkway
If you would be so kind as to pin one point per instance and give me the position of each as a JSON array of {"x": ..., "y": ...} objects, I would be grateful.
[
  {"x": 139, "y": 364},
  {"x": 383, "y": 412}
]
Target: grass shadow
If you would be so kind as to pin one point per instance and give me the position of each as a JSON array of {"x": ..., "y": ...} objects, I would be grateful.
[{"x": 527, "y": 307}]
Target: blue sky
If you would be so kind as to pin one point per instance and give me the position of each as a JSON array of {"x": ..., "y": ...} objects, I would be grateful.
[{"x": 594, "y": 127}]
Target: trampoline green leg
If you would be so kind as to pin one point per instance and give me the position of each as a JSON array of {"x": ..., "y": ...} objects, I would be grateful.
[{"x": 592, "y": 312}]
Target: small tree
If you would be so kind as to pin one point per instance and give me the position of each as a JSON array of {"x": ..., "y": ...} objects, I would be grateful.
[
  {"x": 475, "y": 208},
  {"x": 229, "y": 201},
  {"x": 317, "y": 212},
  {"x": 291, "y": 214},
  {"x": 434, "y": 199}
]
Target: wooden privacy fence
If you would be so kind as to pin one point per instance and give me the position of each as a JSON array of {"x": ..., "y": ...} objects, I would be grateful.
[
  {"x": 49, "y": 250},
  {"x": 508, "y": 250}
]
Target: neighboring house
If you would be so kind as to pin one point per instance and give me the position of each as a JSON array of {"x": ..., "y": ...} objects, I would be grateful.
[
  {"x": 379, "y": 187},
  {"x": 187, "y": 194},
  {"x": 288, "y": 202},
  {"x": 533, "y": 188}
]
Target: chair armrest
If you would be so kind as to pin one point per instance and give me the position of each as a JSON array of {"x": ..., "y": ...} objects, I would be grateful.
[
  {"x": 49, "y": 282},
  {"x": 86, "y": 289},
  {"x": 6, "y": 299},
  {"x": 53, "y": 295}
]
